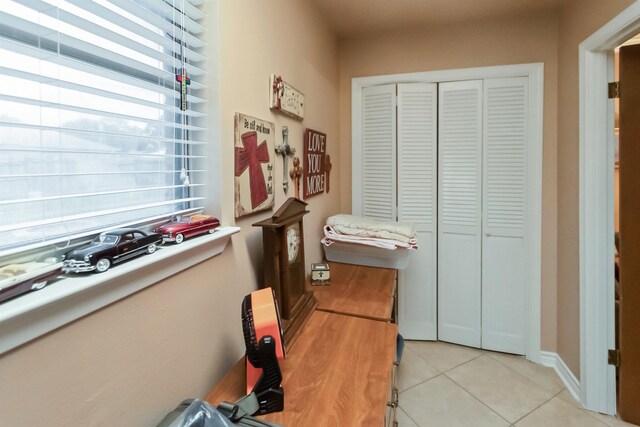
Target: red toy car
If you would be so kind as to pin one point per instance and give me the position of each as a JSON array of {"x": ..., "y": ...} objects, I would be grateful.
[{"x": 184, "y": 226}]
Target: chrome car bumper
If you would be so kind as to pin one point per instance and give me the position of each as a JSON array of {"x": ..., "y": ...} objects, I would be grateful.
[
  {"x": 168, "y": 238},
  {"x": 73, "y": 266}
]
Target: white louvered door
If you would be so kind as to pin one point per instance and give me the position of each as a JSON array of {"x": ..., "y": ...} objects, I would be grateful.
[
  {"x": 504, "y": 299},
  {"x": 378, "y": 177},
  {"x": 417, "y": 201},
  {"x": 452, "y": 159},
  {"x": 460, "y": 212}
]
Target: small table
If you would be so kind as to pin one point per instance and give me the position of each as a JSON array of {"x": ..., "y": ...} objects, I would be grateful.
[
  {"x": 361, "y": 291},
  {"x": 338, "y": 374}
]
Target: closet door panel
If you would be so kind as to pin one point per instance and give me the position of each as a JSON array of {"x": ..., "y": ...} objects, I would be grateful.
[
  {"x": 459, "y": 318},
  {"x": 417, "y": 200},
  {"x": 459, "y": 212},
  {"x": 377, "y": 186},
  {"x": 504, "y": 301}
]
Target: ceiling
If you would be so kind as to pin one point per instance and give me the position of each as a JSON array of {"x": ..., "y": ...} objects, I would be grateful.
[{"x": 350, "y": 18}]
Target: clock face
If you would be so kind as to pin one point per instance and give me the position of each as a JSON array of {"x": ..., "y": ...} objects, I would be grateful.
[{"x": 293, "y": 241}]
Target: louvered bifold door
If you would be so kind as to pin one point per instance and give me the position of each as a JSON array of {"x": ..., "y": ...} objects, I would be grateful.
[
  {"x": 504, "y": 299},
  {"x": 459, "y": 212},
  {"x": 374, "y": 190},
  {"x": 417, "y": 201}
]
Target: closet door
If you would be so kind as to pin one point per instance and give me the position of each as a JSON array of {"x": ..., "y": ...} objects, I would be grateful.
[
  {"x": 459, "y": 212},
  {"x": 417, "y": 201},
  {"x": 375, "y": 187},
  {"x": 504, "y": 298}
]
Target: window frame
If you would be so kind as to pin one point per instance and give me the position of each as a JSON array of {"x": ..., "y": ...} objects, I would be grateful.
[{"x": 34, "y": 314}]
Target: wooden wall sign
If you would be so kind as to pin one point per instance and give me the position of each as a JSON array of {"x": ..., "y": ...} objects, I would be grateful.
[
  {"x": 285, "y": 98},
  {"x": 313, "y": 171},
  {"x": 253, "y": 171}
]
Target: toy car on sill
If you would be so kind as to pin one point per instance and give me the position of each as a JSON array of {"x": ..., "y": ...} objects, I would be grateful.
[
  {"x": 109, "y": 248},
  {"x": 17, "y": 279},
  {"x": 180, "y": 227}
]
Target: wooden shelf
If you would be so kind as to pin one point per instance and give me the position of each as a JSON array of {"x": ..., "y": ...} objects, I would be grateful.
[
  {"x": 357, "y": 290},
  {"x": 340, "y": 370},
  {"x": 338, "y": 373}
]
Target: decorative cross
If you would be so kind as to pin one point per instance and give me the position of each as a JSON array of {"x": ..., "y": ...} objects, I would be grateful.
[
  {"x": 295, "y": 175},
  {"x": 184, "y": 81},
  {"x": 251, "y": 156},
  {"x": 285, "y": 150}
]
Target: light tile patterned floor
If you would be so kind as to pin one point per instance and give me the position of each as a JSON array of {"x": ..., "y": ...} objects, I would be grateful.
[{"x": 449, "y": 385}]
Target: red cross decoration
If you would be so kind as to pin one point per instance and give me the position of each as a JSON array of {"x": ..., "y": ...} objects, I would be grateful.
[
  {"x": 184, "y": 81},
  {"x": 250, "y": 156}
]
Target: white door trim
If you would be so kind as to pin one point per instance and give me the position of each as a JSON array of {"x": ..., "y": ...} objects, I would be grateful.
[
  {"x": 535, "y": 73},
  {"x": 597, "y": 305}
]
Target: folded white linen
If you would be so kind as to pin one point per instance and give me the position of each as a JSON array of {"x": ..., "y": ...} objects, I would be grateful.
[
  {"x": 386, "y": 243},
  {"x": 377, "y": 243},
  {"x": 368, "y": 227}
]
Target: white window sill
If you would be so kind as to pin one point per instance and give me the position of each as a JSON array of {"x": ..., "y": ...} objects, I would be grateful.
[{"x": 36, "y": 313}]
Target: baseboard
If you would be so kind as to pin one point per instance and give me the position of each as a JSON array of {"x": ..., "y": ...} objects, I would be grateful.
[{"x": 553, "y": 360}]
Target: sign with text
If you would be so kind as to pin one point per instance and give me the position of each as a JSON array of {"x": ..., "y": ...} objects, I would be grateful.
[
  {"x": 286, "y": 98},
  {"x": 253, "y": 164},
  {"x": 313, "y": 172}
]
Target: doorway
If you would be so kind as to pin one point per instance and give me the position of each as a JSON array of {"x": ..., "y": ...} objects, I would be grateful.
[
  {"x": 597, "y": 295},
  {"x": 627, "y": 231}
]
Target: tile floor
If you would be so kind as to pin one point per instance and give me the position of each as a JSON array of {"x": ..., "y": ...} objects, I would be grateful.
[{"x": 448, "y": 385}]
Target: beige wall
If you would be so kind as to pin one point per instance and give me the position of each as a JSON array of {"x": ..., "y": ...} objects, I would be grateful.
[
  {"x": 129, "y": 363},
  {"x": 494, "y": 42},
  {"x": 578, "y": 20}
]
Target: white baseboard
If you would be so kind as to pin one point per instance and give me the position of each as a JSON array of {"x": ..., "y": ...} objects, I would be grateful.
[{"x": 553, "y": 360}]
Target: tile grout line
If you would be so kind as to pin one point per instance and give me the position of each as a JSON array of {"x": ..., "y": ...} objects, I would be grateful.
[
  {"x": 517, "y": 373},
  {"x": 447, "y": 370},
  {"x": 522, "y": 375},
  {"x": 408, "y": 416},
  {"x": 481, "y": 402},
  {"x": 399, "y": 392},
  {"x": 538, "y": 407},
  {"x": 420, "y": 383},
  {"x": 536, "y": 385},
  {"x": 489, "y": 354}
]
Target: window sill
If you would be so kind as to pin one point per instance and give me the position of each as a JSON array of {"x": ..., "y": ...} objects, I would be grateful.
[{"x": 36, "y": 313}]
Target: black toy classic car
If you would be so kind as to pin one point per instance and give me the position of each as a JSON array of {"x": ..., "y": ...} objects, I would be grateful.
[{"x": 109, "y": 248}]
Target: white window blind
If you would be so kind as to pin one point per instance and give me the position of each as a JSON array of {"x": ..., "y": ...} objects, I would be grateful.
[{"x": 92, "y": 135}]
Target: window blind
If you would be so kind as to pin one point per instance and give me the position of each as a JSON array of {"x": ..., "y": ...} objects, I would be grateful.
[{"x": 92, "y": 133}]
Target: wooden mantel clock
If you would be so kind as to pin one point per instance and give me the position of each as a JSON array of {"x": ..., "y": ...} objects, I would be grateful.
[{"x": 284, "y": 265}]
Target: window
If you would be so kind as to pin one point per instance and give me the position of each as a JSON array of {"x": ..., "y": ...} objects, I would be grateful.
[
  {"x": 92, "y": 138},
  {"x": 92, "y": 134}
]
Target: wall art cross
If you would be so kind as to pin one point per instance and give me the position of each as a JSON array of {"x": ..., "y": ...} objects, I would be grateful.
[
  {"x": 250, "y": 156},
  {"x": 184, "y": 81},
  {"x": 285, "y": 150}
]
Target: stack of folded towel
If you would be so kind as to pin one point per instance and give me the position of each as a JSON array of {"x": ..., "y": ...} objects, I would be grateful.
[{"x": 367, "y": 231}]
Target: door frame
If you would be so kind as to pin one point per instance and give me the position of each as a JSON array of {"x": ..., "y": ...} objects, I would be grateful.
[
  {"x": 535, "y": 73},
  {"x": 597, "y": 302}
]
